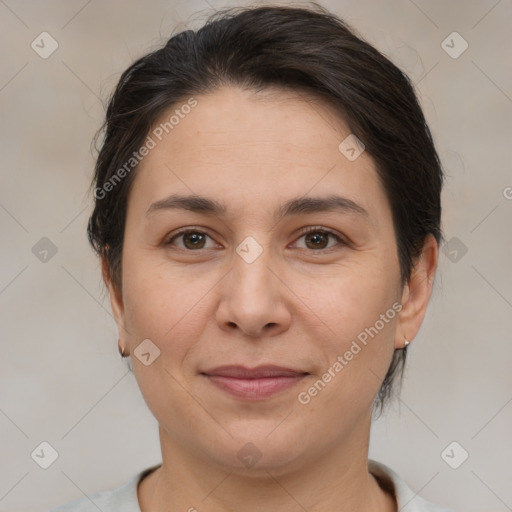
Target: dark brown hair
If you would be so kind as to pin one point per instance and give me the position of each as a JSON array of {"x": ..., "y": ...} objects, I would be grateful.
[{"x": 303, "y": 49}]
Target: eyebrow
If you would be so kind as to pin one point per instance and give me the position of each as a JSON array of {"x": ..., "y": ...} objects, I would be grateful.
[{"x": 295, "y": 206}]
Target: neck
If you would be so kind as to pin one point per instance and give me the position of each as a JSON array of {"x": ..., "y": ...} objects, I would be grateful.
[{"x": 336, "y": 480}]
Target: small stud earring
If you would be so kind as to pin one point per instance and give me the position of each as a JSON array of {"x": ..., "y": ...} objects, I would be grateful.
[
  {"x": 121, "y": 350},
  {"x": 405, "y": 343}
]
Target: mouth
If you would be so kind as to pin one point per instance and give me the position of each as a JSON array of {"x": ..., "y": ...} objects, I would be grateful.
[{"x": 254, "y": 383}]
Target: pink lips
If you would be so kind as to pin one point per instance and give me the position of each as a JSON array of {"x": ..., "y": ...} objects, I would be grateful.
[{"x": 256, "y": 383}]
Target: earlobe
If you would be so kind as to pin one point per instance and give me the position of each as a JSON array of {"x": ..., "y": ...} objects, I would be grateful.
[{"x": 417, "y": 292}]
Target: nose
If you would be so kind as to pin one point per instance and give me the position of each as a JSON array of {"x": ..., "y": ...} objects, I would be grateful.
[{"x": 253, "y": 298}]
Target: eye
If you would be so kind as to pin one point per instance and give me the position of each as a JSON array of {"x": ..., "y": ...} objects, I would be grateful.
[
  {"x": 192, "y": 239},
  {"x": 317, "y": 238}
]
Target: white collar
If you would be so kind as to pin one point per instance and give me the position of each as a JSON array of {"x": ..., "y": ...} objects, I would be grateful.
[
  {"x": 125, "y": 499},
  {"x": 407, "y": 500}
]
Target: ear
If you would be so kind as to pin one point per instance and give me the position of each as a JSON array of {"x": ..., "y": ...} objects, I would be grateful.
[
  {"x": 416, "y": 293},
  {"x": 116, "y": 298}
]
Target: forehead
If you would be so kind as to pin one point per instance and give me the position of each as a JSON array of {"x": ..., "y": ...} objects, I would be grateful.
[{"x": 252, "y": 148}]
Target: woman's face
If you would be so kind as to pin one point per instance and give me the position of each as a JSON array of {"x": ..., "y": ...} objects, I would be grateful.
[{"x": 249, "y": 287}]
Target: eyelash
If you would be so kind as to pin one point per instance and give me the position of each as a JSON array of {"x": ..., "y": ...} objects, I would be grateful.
[{"x": 312, "y": 229}]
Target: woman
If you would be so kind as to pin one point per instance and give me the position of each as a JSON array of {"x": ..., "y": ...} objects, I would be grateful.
[{"x": 267, "y": 213}]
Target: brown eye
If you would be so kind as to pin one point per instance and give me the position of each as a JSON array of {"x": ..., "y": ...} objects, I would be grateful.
[
  {"x": 192, "y": 240},
  {"x": 318, "y": 239}
]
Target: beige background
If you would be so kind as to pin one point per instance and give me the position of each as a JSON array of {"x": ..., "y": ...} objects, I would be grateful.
[{"x": 62, "y": 380}]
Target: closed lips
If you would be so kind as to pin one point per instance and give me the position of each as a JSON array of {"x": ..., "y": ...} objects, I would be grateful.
[{"x": 260, "y": 372}]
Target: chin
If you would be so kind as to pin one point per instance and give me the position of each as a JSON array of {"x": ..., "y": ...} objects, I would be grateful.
[{"x": 256, "y": 453}]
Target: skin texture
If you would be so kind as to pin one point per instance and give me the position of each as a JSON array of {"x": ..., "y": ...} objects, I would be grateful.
[{"x": 296, "y": 305}]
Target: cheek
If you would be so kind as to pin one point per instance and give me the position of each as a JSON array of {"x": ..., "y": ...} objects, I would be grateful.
[
  {"x": 358, "y": 309},
  {"x": 163, "y": 313},
  {"x": 149, "y": 301},
  {"x": 166, "y": 306},
  {"x": 356, "y": 297}
]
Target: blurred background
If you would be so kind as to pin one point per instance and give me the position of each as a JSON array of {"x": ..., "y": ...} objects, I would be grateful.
[{"x": 62, "y": 381}]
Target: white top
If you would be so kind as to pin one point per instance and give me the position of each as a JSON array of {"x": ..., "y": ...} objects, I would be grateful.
[{"x": 124, "y": 498}]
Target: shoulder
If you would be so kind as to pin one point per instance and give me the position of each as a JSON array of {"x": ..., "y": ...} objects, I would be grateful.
[
  {"x": 407, "y": 499},
  {"x": 121, "y": 499}
]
